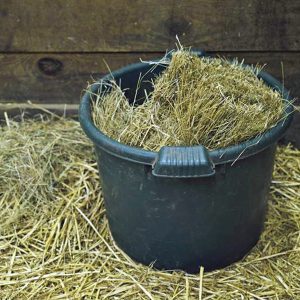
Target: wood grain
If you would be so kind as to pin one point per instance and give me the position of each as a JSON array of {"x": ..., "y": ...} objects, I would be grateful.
[
  {"x": 144, "y": 25},
  {"x": 23, "y": 77},
  {"x": 60, "y": 78}
]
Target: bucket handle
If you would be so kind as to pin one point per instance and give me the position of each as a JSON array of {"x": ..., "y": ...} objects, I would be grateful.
[{"x": 183, "y": 162}]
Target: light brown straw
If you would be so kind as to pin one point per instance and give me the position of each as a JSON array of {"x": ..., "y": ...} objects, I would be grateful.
[{"x": 55, "y": 241}]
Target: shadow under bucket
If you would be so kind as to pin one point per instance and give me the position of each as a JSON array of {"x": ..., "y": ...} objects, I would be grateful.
[{"x": 183, "y": 207}]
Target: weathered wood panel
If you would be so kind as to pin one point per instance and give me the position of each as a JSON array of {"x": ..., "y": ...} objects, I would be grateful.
[
  {"x": 144, "y": 25},
  {"x": 293, "y": 133},
  {"x": 55, "y": 78},
  {"x": 60, "y": 78}
]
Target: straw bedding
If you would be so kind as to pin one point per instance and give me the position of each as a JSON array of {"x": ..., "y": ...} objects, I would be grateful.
[
  {"x": 55, "y": 242},
  {"x": 195, "y": 101}
]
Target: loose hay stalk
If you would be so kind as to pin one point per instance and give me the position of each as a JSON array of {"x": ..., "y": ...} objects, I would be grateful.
[
  {"x": 55, "y": 242},
  {"x": 195, "y": 101}
]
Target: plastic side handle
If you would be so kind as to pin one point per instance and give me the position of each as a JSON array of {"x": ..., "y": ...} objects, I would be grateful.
[{"x": 183, "y": 162}]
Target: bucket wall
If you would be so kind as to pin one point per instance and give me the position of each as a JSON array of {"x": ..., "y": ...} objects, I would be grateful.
[{"x": 185, "y": 223}]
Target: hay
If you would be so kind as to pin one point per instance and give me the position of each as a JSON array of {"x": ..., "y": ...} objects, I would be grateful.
[
  {"x": 55, "y": 242},
  {"x": 205, "y": 101}
]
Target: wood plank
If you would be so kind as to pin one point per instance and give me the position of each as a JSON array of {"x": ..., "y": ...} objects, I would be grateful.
[
  {"x": 55, "y": 78},
  {"x": 60, "y": 78},
  {"x": 124, "y": 25},
  {"x": 293, "y": 134}
]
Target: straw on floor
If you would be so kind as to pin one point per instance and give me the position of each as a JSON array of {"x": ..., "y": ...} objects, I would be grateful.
[
  {"x": 195, "y": 101},
  {"x": 55, "y": 242}
]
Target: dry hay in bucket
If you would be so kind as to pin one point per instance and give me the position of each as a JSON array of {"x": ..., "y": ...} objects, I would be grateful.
[
  {"x": 55, "y": 242},
  {"x": 195, "y": 101}
]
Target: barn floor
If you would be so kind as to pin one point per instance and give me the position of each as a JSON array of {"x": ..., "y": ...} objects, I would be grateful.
[{"x": 55, "y": 242}]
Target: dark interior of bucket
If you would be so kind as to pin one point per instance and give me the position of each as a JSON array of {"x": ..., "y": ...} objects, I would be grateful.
[{"x": 137, "y": 82}]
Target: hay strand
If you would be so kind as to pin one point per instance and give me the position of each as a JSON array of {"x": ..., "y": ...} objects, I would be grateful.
[
  {"x": 195, "y": 101},
  {"x": 55, "y": 241}
]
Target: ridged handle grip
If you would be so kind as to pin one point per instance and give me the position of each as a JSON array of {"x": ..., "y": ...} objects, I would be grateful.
[{"x": 183, "y": 162}]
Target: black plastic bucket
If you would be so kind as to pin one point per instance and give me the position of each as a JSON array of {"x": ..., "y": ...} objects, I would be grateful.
[{"x": 183, "y": 207}]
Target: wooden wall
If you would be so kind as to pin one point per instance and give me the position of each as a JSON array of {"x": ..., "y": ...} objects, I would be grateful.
[{"x": 50, "y": 49}]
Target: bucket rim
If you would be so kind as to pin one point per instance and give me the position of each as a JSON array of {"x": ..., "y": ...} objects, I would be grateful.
[{"x": 218, "y": 156}]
